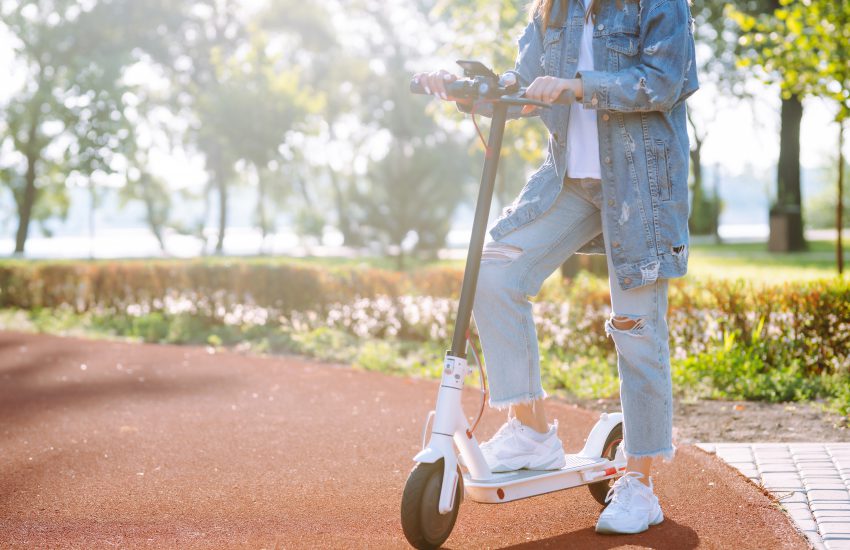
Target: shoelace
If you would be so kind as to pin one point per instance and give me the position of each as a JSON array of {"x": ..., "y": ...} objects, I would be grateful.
[
  {"x": 507, "y": 430},
  {"x": 623, "y": 486}
]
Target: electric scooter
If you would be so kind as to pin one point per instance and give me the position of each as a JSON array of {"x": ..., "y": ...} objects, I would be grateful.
[{"x": 436, "y": 485}]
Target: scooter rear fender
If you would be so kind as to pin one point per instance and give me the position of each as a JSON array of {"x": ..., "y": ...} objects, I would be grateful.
[{"x": 595, "y": 444}]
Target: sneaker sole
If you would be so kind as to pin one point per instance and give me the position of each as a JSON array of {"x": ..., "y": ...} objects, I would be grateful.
[
  {"x": 606, "y": 529},
  {"x": 525, "y": 463}
]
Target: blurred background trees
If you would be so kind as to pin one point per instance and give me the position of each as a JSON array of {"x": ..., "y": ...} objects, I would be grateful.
[
  {"x": 803, "y": 46},
  {"x": 304, "y": 108}
]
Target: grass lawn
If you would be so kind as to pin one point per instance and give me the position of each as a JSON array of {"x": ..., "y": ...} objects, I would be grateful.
[{"x": 752, "y": 261}]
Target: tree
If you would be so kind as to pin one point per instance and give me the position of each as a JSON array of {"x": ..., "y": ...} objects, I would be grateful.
[
  {"x": 261, "y": 99},
  {"x": 804, "y": 46},
  {"x": 409, "y": 193},
  {"x": 492, "y": 39},
  {"x": 140, "y": 184},
  {"x": 338, "y": 74},
  {"x": 70, "y": 109}
]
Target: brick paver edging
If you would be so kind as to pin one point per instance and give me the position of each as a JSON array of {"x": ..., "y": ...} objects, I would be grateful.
[{"x": 810, "y": 480}]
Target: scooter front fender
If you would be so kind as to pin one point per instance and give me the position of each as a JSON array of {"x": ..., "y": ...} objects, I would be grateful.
[
  {"x": 428, "y": 455},
  {"x": 440, "y": 447}
]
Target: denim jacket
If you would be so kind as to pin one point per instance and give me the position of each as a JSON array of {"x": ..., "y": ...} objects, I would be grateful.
[{"x": 645, "y": 69}]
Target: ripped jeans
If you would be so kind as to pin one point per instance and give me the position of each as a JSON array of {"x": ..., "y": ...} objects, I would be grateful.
[{"x": 514, "y": 268}]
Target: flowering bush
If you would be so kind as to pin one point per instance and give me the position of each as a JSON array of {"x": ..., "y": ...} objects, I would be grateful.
[{"x": 727, "y": 339}]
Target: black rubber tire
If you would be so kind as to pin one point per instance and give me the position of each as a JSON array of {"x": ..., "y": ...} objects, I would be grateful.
[
  {"x": 424, "y": 527},
  {"x": 599, "y": 490}
]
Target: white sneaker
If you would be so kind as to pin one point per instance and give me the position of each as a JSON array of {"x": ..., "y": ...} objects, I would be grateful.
[
  {"x": 632, "y": 507},
  {"x": 516, "y": 446}
]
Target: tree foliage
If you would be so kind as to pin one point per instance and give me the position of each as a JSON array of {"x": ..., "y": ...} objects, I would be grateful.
[{"x": 802, "y": 46}]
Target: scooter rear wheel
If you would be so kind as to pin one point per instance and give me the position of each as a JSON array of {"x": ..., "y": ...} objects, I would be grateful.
[
  {"x": 599, "y": 490},
  {"x": 424, "y": 526}
]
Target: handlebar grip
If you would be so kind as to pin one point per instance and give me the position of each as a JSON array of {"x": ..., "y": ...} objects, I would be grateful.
[
  {"x": 454, "y": 87},
  {"x": 417, "y": 88},
  {"x": 567, "y": 97}
]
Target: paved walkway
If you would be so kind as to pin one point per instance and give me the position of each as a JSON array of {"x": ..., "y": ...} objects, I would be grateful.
[
  {"x": 118, "y": 445},
  {"x": 810, "y": 480}
]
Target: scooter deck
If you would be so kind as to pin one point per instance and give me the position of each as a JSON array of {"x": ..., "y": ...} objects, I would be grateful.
[{"x": 508, "y": 486}]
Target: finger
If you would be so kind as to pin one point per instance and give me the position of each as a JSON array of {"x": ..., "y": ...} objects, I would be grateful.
[
  {"x": 440, "y": 87},
  {"x": 543, "y": 91},
  {"x": 554, "y": 90},
  {"x": 529, "y": 109},
  {"x": 448, "y": 78},
  {"x": 538, "y": 89},
  {"x": 533, "y": 91},
  {"x": 562, "y": 85},
  {"x": 426, "y": 83}
]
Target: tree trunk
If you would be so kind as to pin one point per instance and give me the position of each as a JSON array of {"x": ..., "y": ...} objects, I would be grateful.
[
  {"x": 349, "y": 236},
  {"x": 786, "y": 217},
  {"x": 704, "y": 210},
  {"x": 715, "y": 205},
  {"x": 839, "y": 209},
  {"x": 701, "y": 210},
  {"x": 222, "y": 213},
  {"x": 27, "y": 202},
  {"x": 151, "y": 215},
  {"x": 261, "y": 211},
  {"x": 92, "y": 211}
]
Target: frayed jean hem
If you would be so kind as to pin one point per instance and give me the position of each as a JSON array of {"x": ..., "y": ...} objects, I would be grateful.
[
  {"x": 522, "y": 399},
  {"x": 665, "y": 454}
]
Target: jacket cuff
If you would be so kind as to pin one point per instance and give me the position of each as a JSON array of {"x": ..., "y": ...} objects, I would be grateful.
[{"x": 595, "y": 87}]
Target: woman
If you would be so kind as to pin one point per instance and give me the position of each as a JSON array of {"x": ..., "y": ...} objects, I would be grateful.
[{"x": 614, "y": 182}]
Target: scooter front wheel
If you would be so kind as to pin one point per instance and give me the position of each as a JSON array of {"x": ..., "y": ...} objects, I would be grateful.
[
  {"x": 423, "y": 524},
  {"x": 599, "y": 490}
]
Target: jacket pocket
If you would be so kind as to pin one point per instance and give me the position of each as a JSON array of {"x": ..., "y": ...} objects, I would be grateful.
[
  {"x": 665, "y": 186},
  {"x": 622, "y": 51},
  {"x": 551, "y": 58},
  {"x": 625, "y": 44}
]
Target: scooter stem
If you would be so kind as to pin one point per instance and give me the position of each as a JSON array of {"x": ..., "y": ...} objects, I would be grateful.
[{"x": 479, "y": 228}]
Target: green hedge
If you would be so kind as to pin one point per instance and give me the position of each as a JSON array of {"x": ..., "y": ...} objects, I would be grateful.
[
  {"x": 211, "y": 284},
  {"x": 728, "y": 339}
]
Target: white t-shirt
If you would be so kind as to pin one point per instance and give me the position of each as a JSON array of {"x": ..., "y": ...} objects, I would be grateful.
[{"x": 582, "y": 133}]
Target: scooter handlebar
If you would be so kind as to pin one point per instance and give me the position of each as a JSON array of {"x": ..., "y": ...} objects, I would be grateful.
[{"x": 467, "y": 89}]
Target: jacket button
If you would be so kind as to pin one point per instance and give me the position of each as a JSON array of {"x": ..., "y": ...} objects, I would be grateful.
[
  {"x": 627, "y": 280},
  {"x": 594, "y": 100},
  {"x": 616, "y": 244},
  {"x": 607, "y": 160},
  {"x": 605, "y": 117},
  {"x": 610, "y": 202},
  {"x": 600, "y": 27}
]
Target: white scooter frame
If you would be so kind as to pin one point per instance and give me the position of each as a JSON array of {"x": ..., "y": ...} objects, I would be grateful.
[
  {"x": 450, "y": 428},
  {"x": 430, "y": 501}
]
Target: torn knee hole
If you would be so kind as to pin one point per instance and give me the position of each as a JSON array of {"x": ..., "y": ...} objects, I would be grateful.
[
  {"x": 625, "y": 324},
  {"x": 494, "y": 250}
]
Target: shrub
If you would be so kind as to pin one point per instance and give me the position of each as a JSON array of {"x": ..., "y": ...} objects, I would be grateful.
[{"x": 728, "y": 339}]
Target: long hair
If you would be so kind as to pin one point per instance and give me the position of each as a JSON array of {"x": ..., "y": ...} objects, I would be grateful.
[{"x": 543, "y": 9}]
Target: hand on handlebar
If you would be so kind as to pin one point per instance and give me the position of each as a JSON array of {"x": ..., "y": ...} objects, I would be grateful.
[
  {"x": 548, "y": 88},
  {"x": 435, "y": 83}
]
